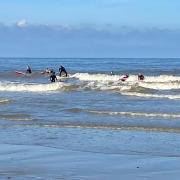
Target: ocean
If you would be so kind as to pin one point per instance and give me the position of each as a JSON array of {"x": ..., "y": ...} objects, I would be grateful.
[{"x": 92, "y": 110}]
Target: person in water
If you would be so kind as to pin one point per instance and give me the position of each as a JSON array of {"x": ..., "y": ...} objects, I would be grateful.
[
  {"x": 29, "y": 71},
  {"x": 124, "y": 77},
  {"x": 53, "y": 77},
  {"x": 62, "y": 70},
  {"x": 140, "y": 77},
  {"x": 112, "y": 73},
  {"x": 48, "y": 71}
]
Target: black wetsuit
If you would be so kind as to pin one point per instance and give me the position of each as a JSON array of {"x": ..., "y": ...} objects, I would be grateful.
[
  {"x": 140, "y": 77},
  {"x": 62, "y": 70},
  {"x": 29, "y": 70},
  {"x": 53, "y": 78}
]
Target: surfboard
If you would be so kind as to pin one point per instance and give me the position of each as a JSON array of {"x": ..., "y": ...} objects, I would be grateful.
[
  {"x": 62, "y": 77},
  {"x": 19, "y": 73}
]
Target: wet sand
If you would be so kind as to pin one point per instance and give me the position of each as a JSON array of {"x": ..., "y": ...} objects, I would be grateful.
[{"x": 37, "y": 162}]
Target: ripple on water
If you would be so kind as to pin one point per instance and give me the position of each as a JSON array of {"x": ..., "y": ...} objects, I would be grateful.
[
  {"x": 5, "y": 101},
  {"x": 16, "y": 117}
]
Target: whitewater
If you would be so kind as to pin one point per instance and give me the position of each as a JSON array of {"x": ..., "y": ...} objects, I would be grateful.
[{"x": 164, "y": 85}]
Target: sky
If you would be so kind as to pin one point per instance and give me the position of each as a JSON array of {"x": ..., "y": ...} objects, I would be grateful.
[{"x": 90, "y": 28}]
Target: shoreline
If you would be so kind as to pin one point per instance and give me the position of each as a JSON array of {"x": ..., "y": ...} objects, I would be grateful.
[{"x": 38, "y": 162}]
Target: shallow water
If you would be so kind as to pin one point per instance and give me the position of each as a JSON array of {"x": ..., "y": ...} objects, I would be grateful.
[{"x": 93, "y": 110}]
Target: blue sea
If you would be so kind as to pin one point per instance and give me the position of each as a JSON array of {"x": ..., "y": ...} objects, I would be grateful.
[{"x": 92, "y": 110}]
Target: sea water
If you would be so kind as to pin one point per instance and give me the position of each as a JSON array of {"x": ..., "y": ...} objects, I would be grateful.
[{"x": 92, "y": 110}]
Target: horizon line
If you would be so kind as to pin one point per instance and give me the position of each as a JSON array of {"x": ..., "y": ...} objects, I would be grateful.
[{"x": 89, "y": 57}]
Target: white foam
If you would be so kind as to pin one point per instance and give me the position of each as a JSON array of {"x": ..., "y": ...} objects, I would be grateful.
[
  {"x": 162, "y": 78},
  {"x": 160, "y": 85},
  {"x": 163, "y": 115},
  {"x": 4, "y": 101},
  {"x": 132, "y": 77},
  {"x": 162, "y": 82},
  {"x": 106, "y": 86},
  {"x": 16, "y": 87},
  {"x": 104, "y": 82},
  {"x": 151, "y": 95},
  {"x": 96, "y": 77}
]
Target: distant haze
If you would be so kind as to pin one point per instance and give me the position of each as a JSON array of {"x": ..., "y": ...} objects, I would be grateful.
[{"x": 117, "y": 28}]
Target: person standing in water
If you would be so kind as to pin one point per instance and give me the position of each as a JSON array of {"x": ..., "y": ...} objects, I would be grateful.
[
  {"x": 62, "y": 70},
  {"x": 53, "y": 77},
  {"x": 29, "y": 71}
]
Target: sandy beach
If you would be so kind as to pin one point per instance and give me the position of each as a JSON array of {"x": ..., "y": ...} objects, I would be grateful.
[{"x": 37, "y": 162}]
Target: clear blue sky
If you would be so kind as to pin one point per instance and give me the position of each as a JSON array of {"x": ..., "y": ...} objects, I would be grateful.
[
  {"x": 115, "y": 28},
  {"x": 144, "y": 13}
]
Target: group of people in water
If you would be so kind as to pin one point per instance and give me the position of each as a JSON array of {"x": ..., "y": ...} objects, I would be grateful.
[
  {"x": 126, "y": 76},
  {"x": 53, "y": 78},
  {"x": 63, "y": 72}
]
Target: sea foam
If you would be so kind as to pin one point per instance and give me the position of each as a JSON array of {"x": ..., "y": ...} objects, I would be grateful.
[{"x": 18, "y": 87}]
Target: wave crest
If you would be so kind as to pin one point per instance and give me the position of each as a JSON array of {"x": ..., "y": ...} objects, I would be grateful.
[
  {"x": 18, "y": 87},
  {"x": 138, "y": 114},
  {"x": 5, "y": 101}
]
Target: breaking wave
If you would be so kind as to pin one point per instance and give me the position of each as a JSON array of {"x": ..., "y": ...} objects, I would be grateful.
[
  {"x": 163, "y": 82},
  {"x": 112, "y": 127},
  {"x": 16, "y": 117},
  {"x": 139, "y": 114},
  {"x": 150, "y": 87},
  {"x": 131, "y": 78},
  {"x": 162, "y": 78},
  {"x": 160, "y": 85},
  {"x": 4, "y": 101},
  {"x": 132, "y": 86},
  {"x": 16, "y": 87},
  {"x": 146, "y": 95},
  {"x": 95, "y": 77}
]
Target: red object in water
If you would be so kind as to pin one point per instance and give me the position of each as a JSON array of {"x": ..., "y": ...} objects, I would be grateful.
[{"x": 124, "y": 77}]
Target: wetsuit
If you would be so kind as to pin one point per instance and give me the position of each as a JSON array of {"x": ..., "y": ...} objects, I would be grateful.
[
  {"x": 62, "y": 70},
  {"x": 29, "y": 70},
  {"x": 140, "y": 77},
  {"x": 53, "y": 78}
]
